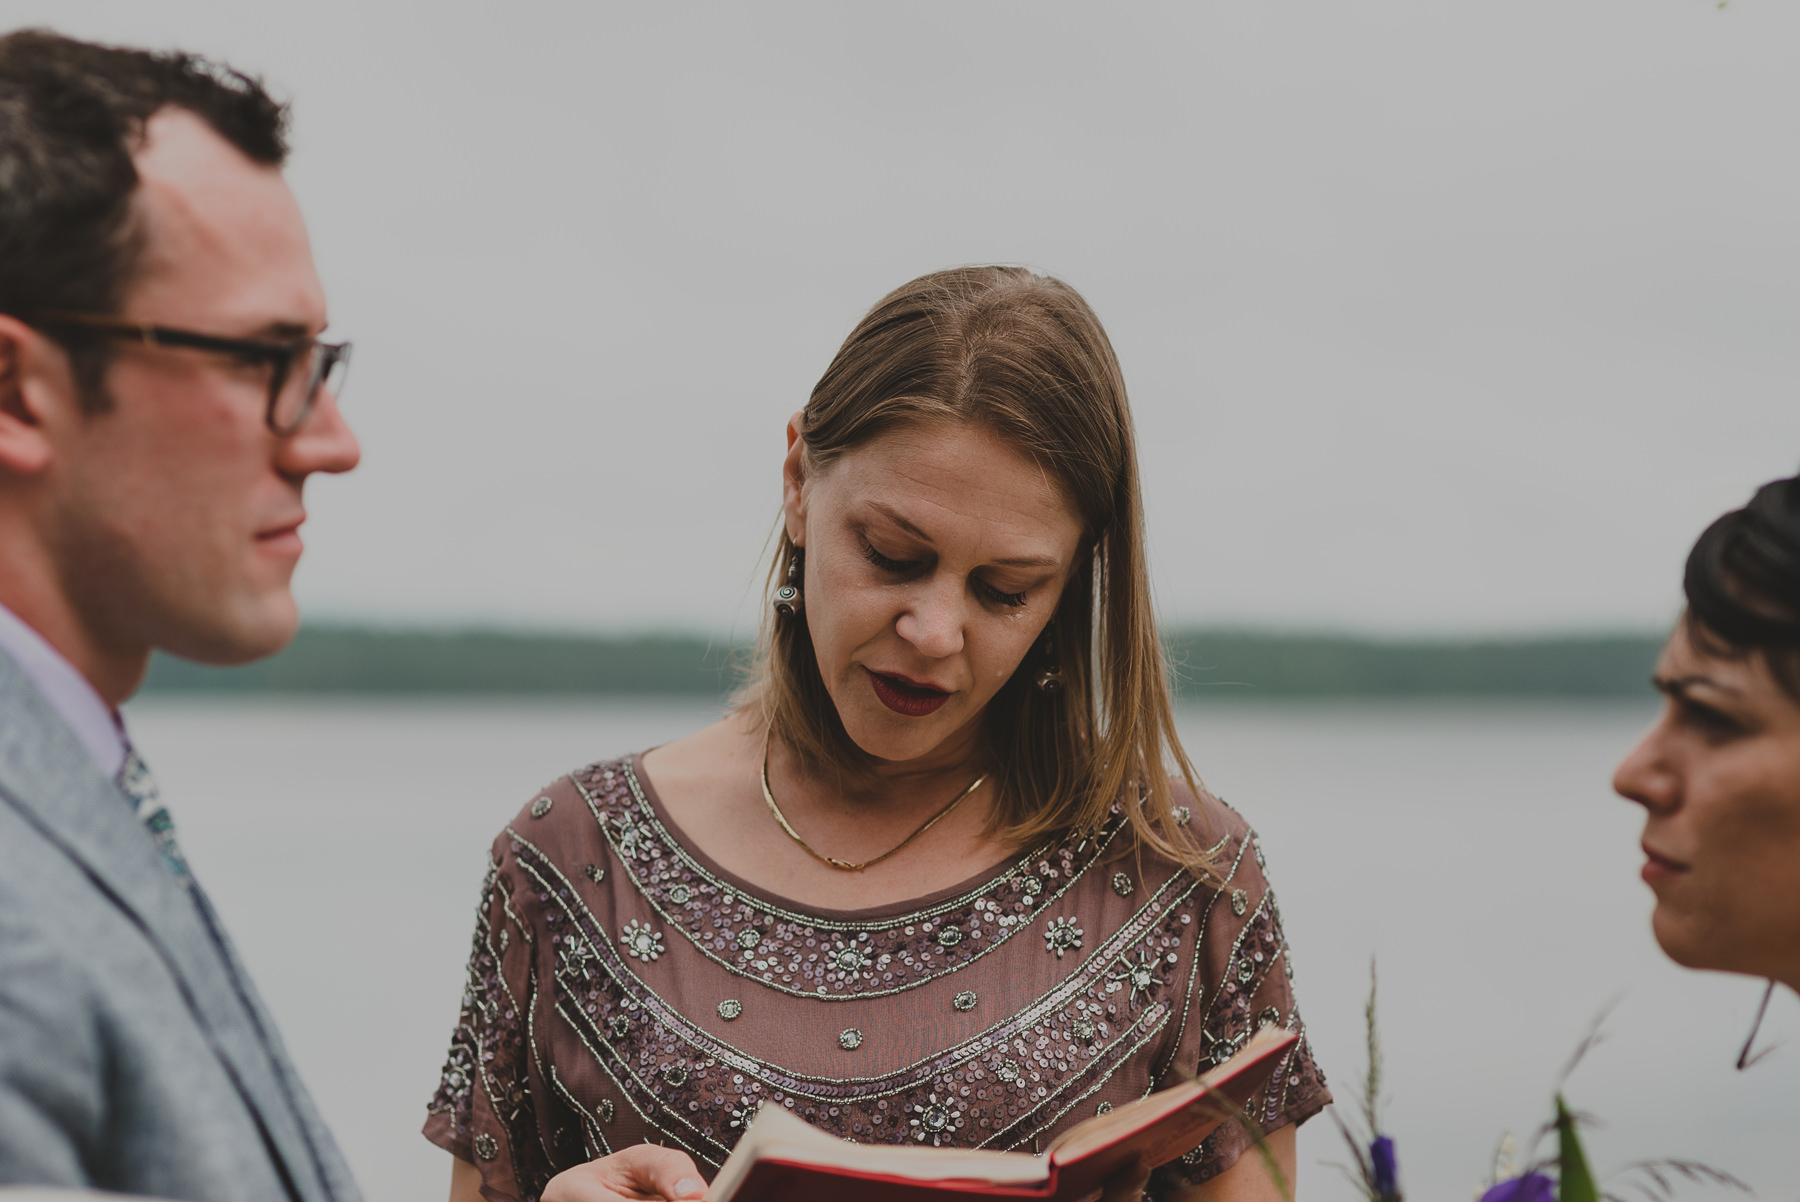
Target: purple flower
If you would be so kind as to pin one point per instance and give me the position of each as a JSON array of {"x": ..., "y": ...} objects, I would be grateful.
[
  {"x": 1387, "y": 1172},
  {"x": 1532, "y": 1187}
]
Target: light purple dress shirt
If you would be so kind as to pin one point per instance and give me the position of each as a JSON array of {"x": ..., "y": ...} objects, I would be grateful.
[{"x": 95, "y": 723}]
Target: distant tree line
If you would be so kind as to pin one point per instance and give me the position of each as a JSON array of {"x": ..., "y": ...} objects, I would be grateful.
[{"x": 1207, "y": 665}]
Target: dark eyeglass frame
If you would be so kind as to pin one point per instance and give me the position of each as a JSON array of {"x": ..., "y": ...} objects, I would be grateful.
[{"x": 280, "y": 355}]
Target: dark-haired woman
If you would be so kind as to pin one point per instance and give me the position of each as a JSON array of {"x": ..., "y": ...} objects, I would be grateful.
[
  {"x": 1719, "y": 774},
  {"x": 944, "y": 876}
]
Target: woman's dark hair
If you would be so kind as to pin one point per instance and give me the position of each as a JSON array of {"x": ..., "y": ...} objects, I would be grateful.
[
  {"x": 1743, "y": 583},
  {"x": 71, "y": 114}
]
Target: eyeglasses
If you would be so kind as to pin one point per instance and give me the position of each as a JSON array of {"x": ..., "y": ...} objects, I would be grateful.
[{"x": 327, "y": 364}]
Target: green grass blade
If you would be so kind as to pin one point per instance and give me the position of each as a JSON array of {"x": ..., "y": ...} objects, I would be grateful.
[{"x": 1576, "y": 1179}]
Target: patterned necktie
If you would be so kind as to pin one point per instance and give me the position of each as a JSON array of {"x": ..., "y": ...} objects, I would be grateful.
[{"x": 140, "y": 787}]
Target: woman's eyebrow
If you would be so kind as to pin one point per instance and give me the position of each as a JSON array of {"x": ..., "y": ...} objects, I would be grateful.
[
  {"x": 888, "y": 512},
  {"x": 1678, "y": 686}
]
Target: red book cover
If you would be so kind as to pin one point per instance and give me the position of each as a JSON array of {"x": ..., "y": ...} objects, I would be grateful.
[{"x": 784, "y": 1159}]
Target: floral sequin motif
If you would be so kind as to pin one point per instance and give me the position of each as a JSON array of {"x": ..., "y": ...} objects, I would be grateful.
[
  {"x": 1138, "y": 975},
  {"x": 1063, "y": 934},
  {"x": 935, "y": 1120},
  {"x": 847, "y": 962},
  {"x": 640, "y": 941}
]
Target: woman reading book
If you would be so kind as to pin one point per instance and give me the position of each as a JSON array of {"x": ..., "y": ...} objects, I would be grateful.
[
  {"x": 1719, "y": 774},
  {"x": 944, "y": 875}
]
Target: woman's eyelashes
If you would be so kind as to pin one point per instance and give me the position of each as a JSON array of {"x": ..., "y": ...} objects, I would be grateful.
[
  {"x": 912, "y": 567},
  {"x": 897, "y": 567},
  {"x": 1010, "y": 600}
]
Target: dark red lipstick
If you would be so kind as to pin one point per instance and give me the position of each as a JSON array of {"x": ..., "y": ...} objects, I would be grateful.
[{"x": 905, "y": 696}]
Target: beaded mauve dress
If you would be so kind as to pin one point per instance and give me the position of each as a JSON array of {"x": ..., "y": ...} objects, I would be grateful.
[{"x": 623, "y": 988}]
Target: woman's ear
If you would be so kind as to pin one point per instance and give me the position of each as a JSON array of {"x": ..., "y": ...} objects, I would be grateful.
[{"x": 793, "y": 484}]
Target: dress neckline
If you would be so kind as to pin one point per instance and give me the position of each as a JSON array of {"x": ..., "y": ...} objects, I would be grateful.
[{"x": 977, "y": 883}]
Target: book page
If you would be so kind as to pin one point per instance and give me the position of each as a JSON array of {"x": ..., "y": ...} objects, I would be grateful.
[
  {"x": 777, "y": 1135},
  {"x": 1104, "y": 1130}
]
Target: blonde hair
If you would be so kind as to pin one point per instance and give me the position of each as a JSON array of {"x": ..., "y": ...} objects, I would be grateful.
[{"x": 1022, "y": 355}]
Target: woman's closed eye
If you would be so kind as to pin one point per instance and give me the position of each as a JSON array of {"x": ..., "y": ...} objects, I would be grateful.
[
  {"x": 995, "y": 595},
  {"x": 1713, "y": 724},
  {"x": 897, "y": 567},
  {"x": 991, "y": 593}
]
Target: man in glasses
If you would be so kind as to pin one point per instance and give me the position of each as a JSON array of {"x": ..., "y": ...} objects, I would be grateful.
[{"x": 165, "y": 391}]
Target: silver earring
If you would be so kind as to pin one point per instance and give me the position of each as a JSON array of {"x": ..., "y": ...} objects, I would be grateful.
[
  {"x": 789, "y": 600},
  {"x": 1049, "y": 678}
]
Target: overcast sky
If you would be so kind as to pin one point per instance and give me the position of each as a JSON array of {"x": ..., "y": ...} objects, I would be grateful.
[{"x": 1437, "y": 318}]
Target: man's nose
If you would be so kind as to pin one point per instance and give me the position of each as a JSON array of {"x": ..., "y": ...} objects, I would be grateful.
[{"x": 323, "y": 443}]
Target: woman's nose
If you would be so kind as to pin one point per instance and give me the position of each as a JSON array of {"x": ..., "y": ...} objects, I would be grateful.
[
  {"x": 1644, "y": 775},
  {"x": 933, "y": 622}
]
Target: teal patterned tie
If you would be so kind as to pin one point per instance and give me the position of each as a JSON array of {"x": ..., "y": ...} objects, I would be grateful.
[{"x": 140, "y": 787}]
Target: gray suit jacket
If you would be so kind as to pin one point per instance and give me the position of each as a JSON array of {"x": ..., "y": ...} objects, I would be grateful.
[{"x": 135, "y": 1055}]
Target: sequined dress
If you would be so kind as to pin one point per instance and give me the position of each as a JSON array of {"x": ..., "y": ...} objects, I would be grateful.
[{"x": 623, "y": 988}]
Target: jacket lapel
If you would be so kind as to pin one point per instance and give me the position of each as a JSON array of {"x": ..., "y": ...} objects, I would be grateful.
[{"x": 48, "y": 776}]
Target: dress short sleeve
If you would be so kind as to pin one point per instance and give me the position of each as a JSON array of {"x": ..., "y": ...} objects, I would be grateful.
[
  {"x": 1243, "y": 981},
  {"x": 491, "y": 1108}
]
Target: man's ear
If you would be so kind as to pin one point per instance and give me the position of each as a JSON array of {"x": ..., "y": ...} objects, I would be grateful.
[
  {"x": 793, "y": 484},
  {"x": 33, "y": 370}
]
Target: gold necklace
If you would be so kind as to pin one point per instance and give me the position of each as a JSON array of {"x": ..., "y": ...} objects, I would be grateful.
[{"x": 845, "y": 865}]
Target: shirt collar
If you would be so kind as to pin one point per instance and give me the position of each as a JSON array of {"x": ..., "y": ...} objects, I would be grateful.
[{"x": 95, "y": 723}]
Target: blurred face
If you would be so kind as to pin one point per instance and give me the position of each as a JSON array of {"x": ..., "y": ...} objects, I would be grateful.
[
  {"x": 177, "y": 513},
  {"x": 934, "y": 558},
  {"x": 1719, "y": 779}
]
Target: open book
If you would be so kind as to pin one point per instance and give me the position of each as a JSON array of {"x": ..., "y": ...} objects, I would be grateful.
[{"x": 785, "y": 1159}]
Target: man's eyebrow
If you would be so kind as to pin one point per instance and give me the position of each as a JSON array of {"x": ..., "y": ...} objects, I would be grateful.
[
  {"x": 1011, "y": 561},
  {"x": 1678, "y": 686},
  {"x": 282, "y": 331}
]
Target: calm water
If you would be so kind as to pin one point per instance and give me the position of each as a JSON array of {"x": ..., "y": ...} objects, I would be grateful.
[{"x": 1476, "y": 850}]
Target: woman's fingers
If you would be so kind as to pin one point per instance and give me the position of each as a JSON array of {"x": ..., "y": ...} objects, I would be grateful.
[{"x": 641, "y": 1172}]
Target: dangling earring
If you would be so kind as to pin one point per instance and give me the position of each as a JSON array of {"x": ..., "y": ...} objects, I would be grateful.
[
  {"x": 789, "y": 600},
  {"x": 1049, "y": 678}
]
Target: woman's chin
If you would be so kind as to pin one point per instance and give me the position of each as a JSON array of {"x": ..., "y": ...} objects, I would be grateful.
[{"x": 1695, "y": 945}]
